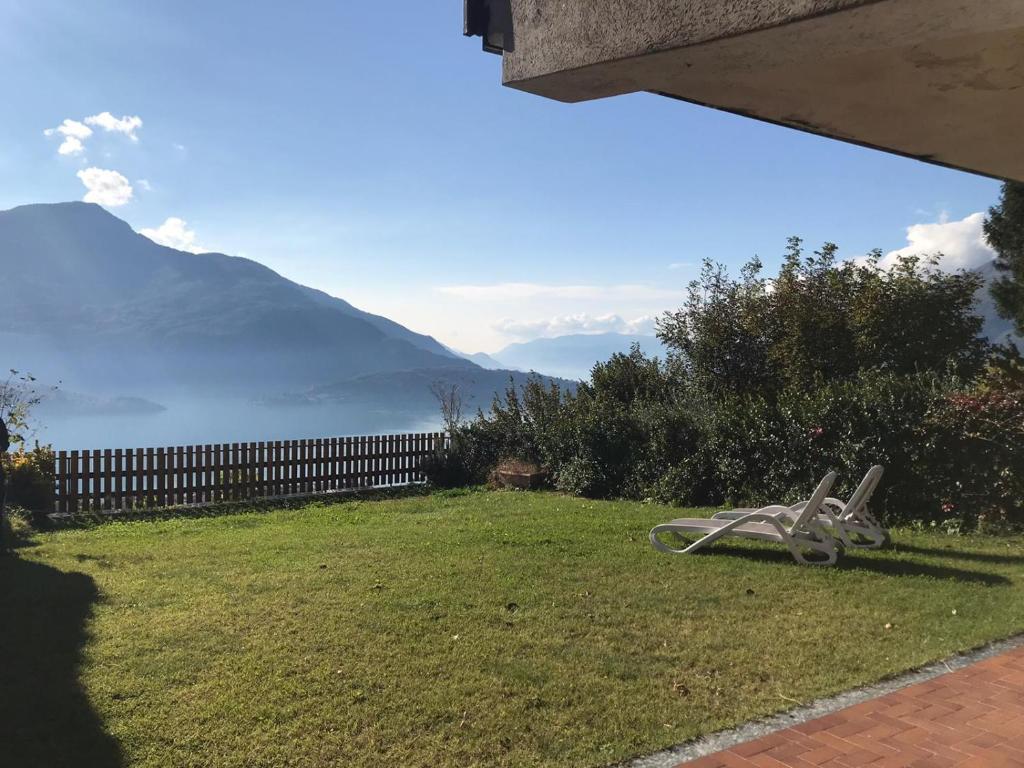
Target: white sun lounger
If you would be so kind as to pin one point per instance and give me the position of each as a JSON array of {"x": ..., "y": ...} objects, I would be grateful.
[
  {"x": 851, "y": 521},
  {"x": 802, "y": 534}
]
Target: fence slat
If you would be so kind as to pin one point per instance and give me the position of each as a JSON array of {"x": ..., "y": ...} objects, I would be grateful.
[
  {"x": 321, "y": 460},
  {"x": 96, "y": 473},
  {"x": 118, "y": 473}
]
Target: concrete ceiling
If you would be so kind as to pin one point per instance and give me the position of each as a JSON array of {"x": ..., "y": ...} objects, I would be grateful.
[{"x": 940, "y": 80}]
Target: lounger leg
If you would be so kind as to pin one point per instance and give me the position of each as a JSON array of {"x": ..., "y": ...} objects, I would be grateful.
[
  {"x": 876, "y": 538},
  {"x": 661, "y": 546},
  {"x": 796, "y": 547},
  {"x": 699, "y": 544}
]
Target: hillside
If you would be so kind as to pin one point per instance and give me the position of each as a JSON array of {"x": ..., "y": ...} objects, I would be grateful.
[
  {"x": 411, "y": 390},
  {"x": 108, "y": 311}
]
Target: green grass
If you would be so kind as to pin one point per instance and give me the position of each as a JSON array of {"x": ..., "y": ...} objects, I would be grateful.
[{"x": 490, "y": 629}]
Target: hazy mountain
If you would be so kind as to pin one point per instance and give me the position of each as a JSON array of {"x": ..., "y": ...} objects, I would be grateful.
[
  {"x": 482, "y": 359},
  {"x": 108, "y": 311},
  {"x": 60, "y": 404},
  {"x": 572, "y": 357},
  {"x": 411, "y": 390}
]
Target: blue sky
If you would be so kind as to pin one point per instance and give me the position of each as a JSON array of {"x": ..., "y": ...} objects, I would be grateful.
[{"x": 368, "y": 149}]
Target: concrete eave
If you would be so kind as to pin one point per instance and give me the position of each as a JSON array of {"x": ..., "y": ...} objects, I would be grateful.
[{"x": 939, "y": 80}]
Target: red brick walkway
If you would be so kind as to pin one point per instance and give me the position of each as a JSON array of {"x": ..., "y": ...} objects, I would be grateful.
[{"x": 973, "y": 718}]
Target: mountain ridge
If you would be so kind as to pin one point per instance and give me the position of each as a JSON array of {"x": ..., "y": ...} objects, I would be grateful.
[
  {"x": 92, "y": 298},
  {"x": 572, "y": 356}
]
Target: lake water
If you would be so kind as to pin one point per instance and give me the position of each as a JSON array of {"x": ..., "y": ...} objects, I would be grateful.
[{"x": 224, "y": 421}]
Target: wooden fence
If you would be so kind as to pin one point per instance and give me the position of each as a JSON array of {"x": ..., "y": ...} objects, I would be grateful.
[{"x": 151, "y": 478}]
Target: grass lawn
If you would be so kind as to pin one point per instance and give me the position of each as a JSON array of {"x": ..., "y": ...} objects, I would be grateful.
[{"x": 490, "y": 629}]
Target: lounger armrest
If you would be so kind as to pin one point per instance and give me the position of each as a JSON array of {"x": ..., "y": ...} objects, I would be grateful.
[
  {"x": 776, "y": 510},
  {"x": 763, "y": 515},
  {"x": 732, "y": 514}
]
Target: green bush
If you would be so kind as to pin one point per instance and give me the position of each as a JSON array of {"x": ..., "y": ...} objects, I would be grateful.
[
  {"x": 771, "y": 384},
  {"x": 30, "y": 479},
  {"x": 977, "y": 440},
  {"x": 766, "y": 450}
]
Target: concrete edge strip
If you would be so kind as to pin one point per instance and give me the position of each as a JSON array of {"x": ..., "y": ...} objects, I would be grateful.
[{"x": 716, "y": 742}]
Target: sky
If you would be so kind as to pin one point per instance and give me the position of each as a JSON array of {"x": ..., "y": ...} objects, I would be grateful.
[{"x": 369, "y": 150}]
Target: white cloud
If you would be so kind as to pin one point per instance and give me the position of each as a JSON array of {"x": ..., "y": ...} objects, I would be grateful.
[
  {"x": 959, "y": 244},
  {"x": 677, "y": 265},
  {"x": 144, "y": 184},
  {"x": 578, "y": 323},
  {"x": 71, "y": 146},
  {"x": 519, "y": 291},
  {"x": 105, "y": 187},
  {"x": 127, "y": 124},
  {"x": 174, "y": 233},
  {"x": 74, "y": 133}
]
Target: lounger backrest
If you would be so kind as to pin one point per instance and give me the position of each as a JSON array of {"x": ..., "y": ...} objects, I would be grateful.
[
  {"x": 864, "y": 490},
  {"x": 814, "y": 503}
]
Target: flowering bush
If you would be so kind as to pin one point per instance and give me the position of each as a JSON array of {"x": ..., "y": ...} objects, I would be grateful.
[
  {"x": 30, "y": 478},
  {"x": 977, "y": 439}
]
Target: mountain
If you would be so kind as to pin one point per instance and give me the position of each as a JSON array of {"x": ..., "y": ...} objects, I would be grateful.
[
  {"x": 108, "y": 311},
  {"x": 482, "y": 359},
  {"x": 411, "y": 390},
  {"x": 62, "y": 405},
  {"x": 573, "y": 356}
]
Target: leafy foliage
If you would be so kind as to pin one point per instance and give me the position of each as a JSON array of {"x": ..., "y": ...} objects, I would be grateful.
[
  {"x": 770, "y": 383},
  {"x": 19, "y": 394},
  {"x": 820, "y": 320},
  {"x": 978, "y": 443},
  {"x": 1004, "y": 229},
  {"x": 30, "y": 478}
]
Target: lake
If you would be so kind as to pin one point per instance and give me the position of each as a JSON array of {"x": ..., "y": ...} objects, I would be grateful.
[{"x": 191, "y": 422}]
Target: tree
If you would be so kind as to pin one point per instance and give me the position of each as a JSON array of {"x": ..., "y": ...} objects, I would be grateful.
[
  {"x": 19, "y": 394},
  {"x": 822, "y": 320},
  {"x": 1004, "y": 229},
  {"x": 16, "y": 400},
  {"x": 449, "y": 398}
]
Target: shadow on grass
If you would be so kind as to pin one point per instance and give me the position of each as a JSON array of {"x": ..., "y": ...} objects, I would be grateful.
[
  {"x": 46, "y": 718},
  {"x": 852, "y": 561},
  {"x": 960, "y": 554}
]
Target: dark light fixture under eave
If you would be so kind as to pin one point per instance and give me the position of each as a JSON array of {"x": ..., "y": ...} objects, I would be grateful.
[{"x": 491, "y": 20}]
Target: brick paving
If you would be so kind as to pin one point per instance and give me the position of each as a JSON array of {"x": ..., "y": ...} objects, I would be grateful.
[{"x": 972, "y": 718}]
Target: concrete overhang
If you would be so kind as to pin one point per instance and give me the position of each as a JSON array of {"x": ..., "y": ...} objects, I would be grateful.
[{"x": 939, "y": 80}]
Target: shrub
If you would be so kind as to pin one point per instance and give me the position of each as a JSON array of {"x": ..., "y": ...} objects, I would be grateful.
[
  {"x": 771, "y": 384},
  {"x": 30, "y": 479},
  {"x": 824, "y": 320},
  {"x": 977, "y": 438}
]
